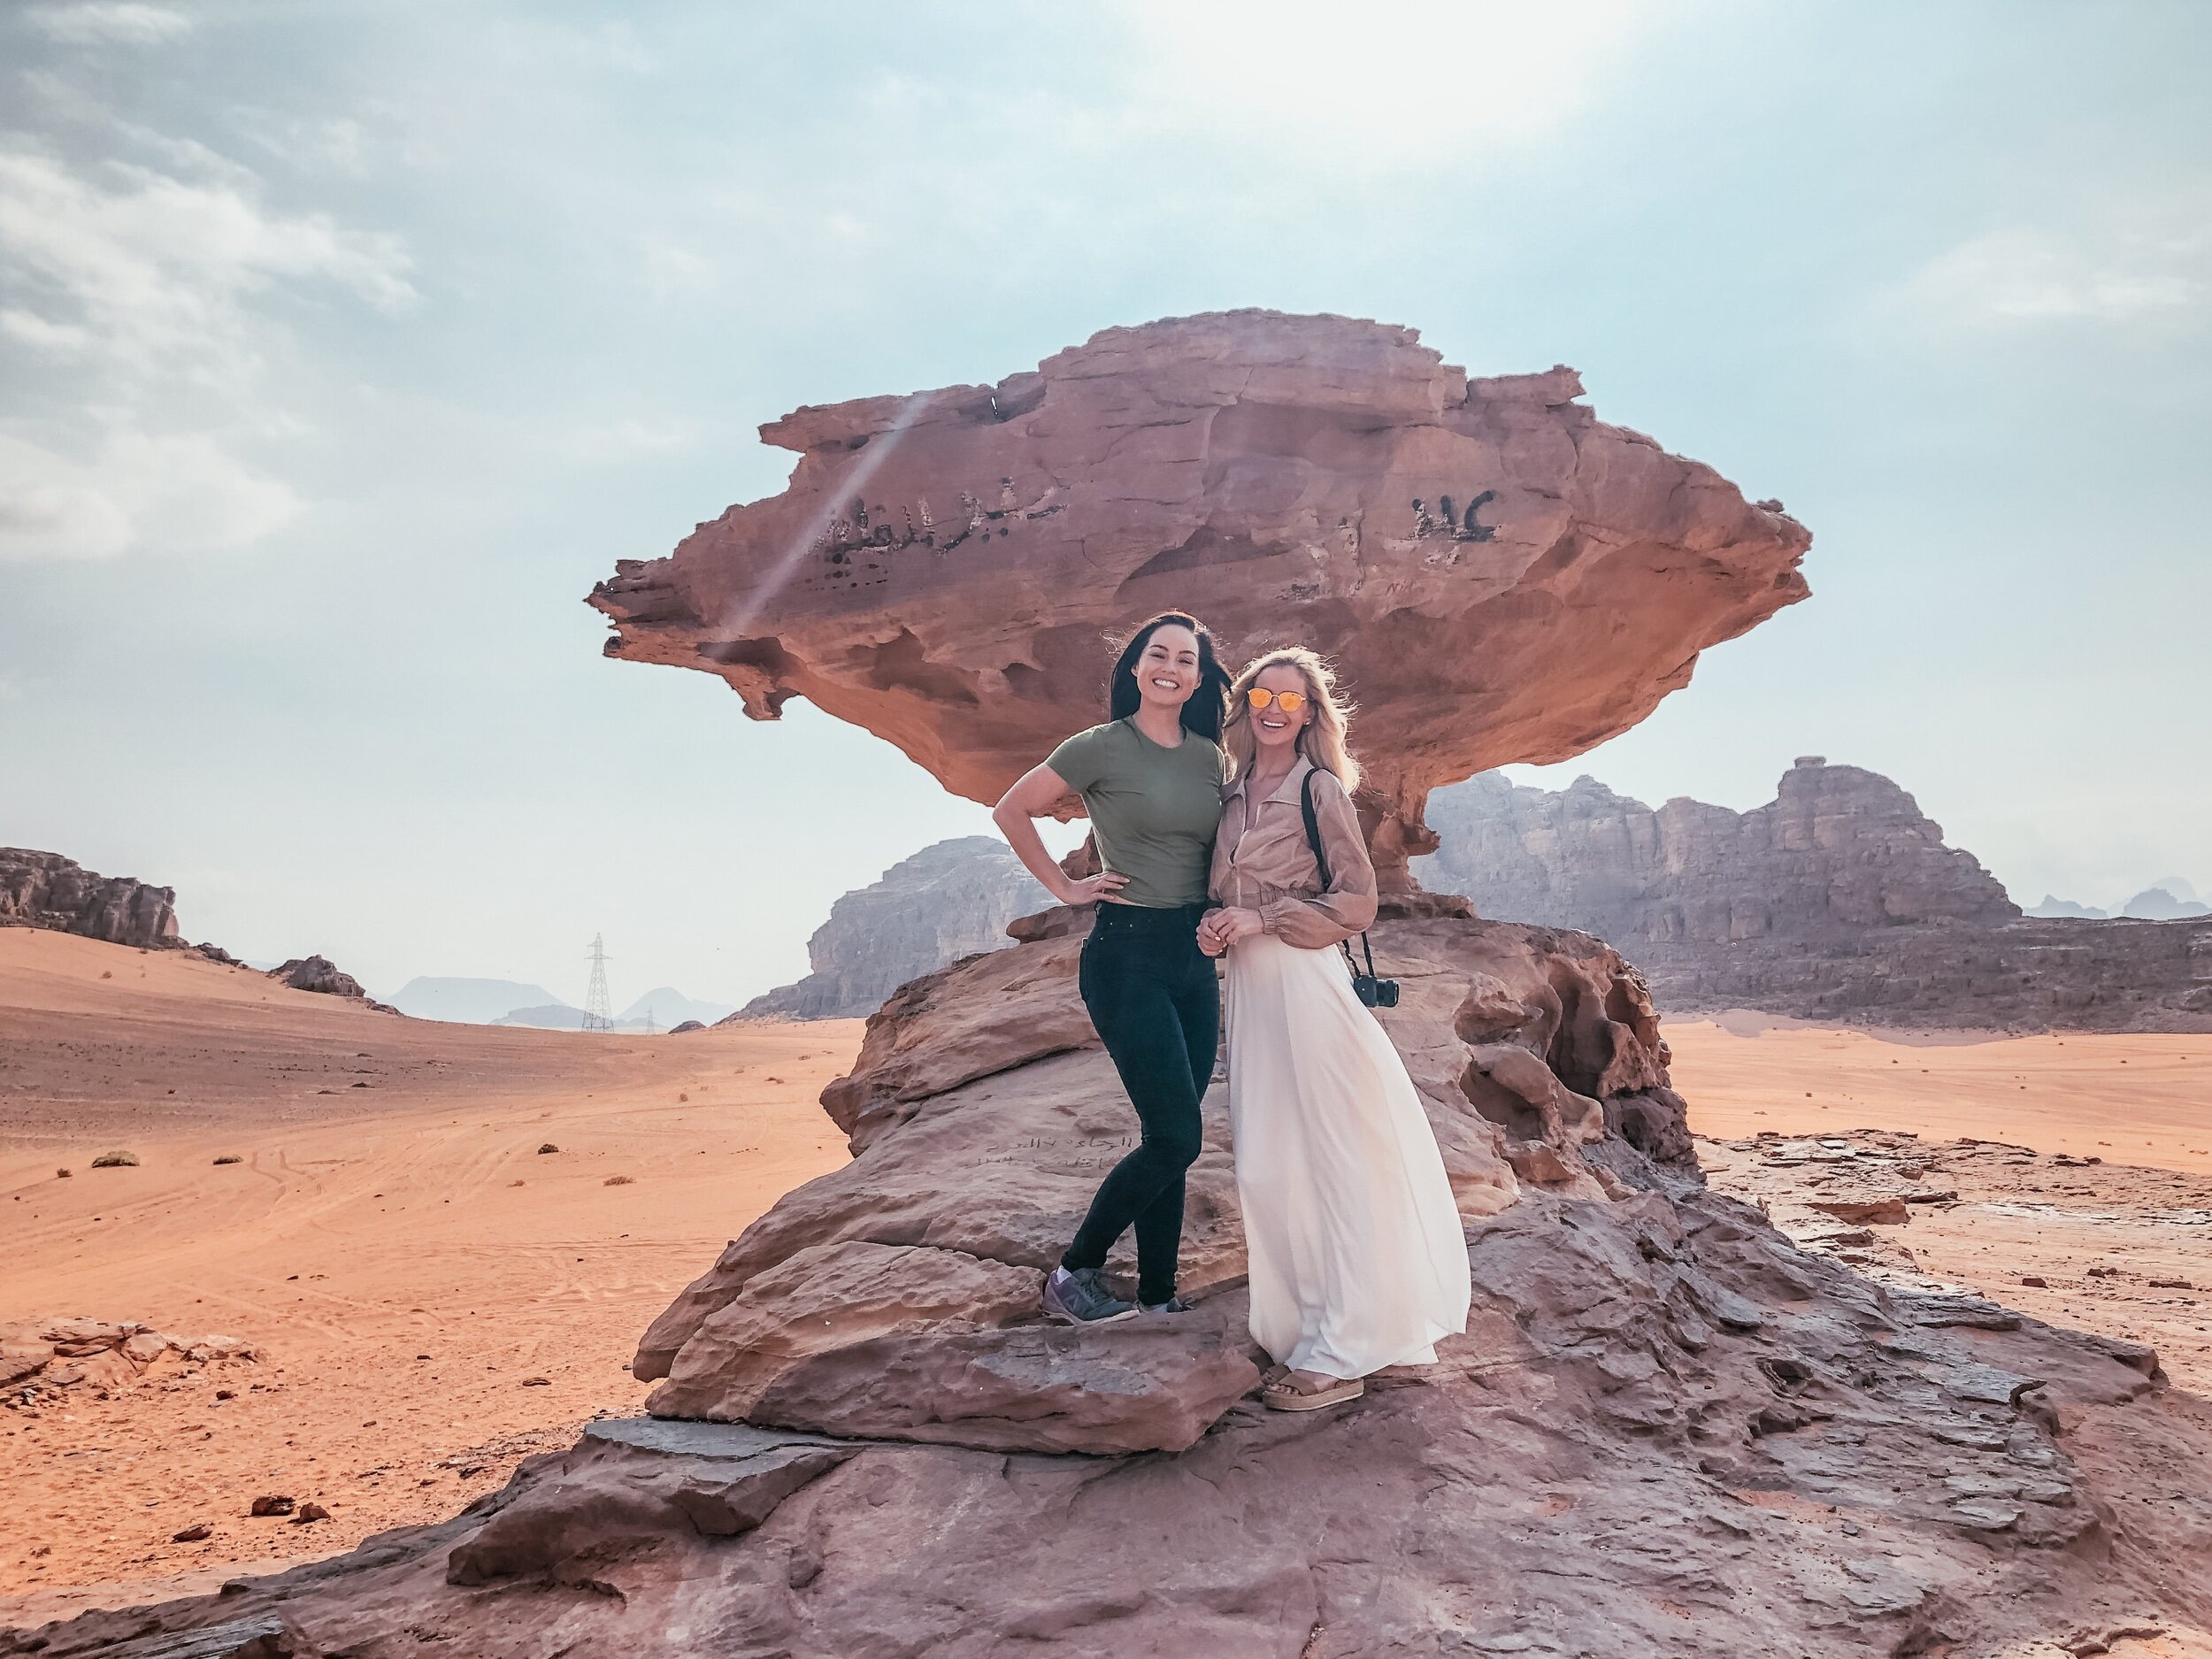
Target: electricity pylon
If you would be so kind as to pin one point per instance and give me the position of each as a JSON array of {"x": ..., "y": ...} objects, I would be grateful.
[{"x": 598, "y": 1007}]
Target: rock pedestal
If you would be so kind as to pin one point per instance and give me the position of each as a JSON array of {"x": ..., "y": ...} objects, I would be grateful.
[{"x": 898, "y": 1297}]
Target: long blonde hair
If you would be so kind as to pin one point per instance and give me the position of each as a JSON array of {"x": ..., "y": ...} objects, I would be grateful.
[{"x": 1322, "y": 739}]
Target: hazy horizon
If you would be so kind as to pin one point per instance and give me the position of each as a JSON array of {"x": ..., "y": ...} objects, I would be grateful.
[{"x": 345, "y": 348}]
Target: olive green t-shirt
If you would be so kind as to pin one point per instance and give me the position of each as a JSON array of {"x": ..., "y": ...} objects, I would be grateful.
[{"x": 1153, "y": 811}]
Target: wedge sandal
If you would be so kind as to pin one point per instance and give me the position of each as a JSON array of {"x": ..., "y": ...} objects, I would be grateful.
[{"x": 1282, "y": 1396}]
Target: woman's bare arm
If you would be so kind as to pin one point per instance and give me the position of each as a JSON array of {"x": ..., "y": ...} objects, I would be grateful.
[{"x": 1038, "y": 793}]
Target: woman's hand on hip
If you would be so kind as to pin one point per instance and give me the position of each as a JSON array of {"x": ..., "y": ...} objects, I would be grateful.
[{"x": 1104, "y": 887}]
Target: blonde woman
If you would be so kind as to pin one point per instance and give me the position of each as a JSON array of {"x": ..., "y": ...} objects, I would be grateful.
[{"x": 1357, "y": 1259}]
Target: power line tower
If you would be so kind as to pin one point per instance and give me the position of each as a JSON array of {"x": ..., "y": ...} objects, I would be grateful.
[{"x": 598, "y": 1007}]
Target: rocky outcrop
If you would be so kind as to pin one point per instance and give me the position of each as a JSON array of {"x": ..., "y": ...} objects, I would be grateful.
[
  {"x": 318, "y": 974},
  {"x": 948, "y": 901},
  {"x": 2172, "y": 900},
  {"x": 321, "y": 974},
  {"x": 51, "y": 1357},
  {"x": 1668, "y": 1430},
  {"x": 981, "y": 1114},
  {"x": 1839, "y": 900},
  {"x": 47, "y": 890},
  {"x": 1500, "y": 576},
  {"x": 1837, "y": 851}
]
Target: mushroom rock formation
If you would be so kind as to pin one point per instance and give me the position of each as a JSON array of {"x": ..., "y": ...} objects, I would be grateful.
[
  {"x": 1666, "y": 1428},
  {"x": 1500, "y": 575}
]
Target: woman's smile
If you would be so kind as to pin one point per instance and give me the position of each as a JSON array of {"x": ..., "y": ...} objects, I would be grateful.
[{"x": 1168, "y": 671}]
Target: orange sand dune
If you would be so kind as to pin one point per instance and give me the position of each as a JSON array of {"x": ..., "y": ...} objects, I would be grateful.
[
  {"x": 408, "y": 1258},
  {"x": 2124, "y": 1098}
]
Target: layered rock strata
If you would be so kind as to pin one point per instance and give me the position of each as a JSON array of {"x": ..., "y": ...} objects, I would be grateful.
[
  {"x": 1837, "y": 851},
  {"x": 47, "y": 890},
  {"x": 1500, "y": 575},
  {"x": 948, "y": 901},
  {"x": 1838, "y": 901}
]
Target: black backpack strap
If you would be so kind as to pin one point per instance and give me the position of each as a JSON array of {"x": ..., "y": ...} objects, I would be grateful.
[
  {"x": 1321, "y": 862},
  {"x": 1313, "y": 829}
]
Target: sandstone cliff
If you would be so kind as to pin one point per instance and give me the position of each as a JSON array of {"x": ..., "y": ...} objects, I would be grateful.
[
  {"x": 1838, "y": 900},
  {"x": 948, "y": 901},
  {"x": 47, "y": 890},
  {"x": 1838, "y": 850}
]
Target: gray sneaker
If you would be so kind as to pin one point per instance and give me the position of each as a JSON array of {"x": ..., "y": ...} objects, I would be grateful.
[
  {"x": 1173, "y": 1304},
  {"x": 1080, "y": 1297}
]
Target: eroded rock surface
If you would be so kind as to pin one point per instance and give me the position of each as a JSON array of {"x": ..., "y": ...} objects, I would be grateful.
[
  {"x": 1500, "y": 576},
  {"x": 982, "y": 1114},
  {"x": 1838, "y": 850},
  {"x": 948, "y": 901},
  {"x": 1837, "y": 901},
  {"x": 47, "y": 890},
  {"x": 47, "y": 1359},
  {"x": 1668, "y": 1431}
]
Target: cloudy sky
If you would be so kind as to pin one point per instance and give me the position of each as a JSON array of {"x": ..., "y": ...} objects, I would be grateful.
[{"x": 343, "y": 346}]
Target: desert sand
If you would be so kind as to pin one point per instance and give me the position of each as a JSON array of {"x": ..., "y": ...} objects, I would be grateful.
[
  {"x": 2132, "y": 1098},
  {"x": 2082, "y": 1164},
  {"x": 437, "y": 1298}
]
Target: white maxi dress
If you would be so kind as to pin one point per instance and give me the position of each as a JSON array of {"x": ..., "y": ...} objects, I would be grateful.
[{"x": 1357, "y": 1257}]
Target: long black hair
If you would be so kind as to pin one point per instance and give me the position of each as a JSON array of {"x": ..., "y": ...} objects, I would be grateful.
[{"x": 1203, "y": 713}]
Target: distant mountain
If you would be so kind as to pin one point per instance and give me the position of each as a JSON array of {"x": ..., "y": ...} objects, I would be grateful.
[
  {"x": 471, "y": 1001},
  {"x": 1839, "y": 899},
  {"x": 948, "y": 901},
  {"x": 2052, "y": 907},
  {"x": 1837, "y": 852},
  {"x": 2172, "y": 900},
  {"x": 668, "y": 1007}
]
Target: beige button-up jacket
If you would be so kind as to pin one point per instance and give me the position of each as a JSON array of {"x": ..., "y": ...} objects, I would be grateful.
[{"x": 1269, "y": 867}]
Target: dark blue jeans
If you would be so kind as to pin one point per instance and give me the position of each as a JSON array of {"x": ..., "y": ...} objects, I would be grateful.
[{"x": 1152, "y": 995}]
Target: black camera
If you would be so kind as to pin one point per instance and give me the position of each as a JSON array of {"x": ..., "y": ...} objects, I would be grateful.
[{"x": 1374, "y": 992}]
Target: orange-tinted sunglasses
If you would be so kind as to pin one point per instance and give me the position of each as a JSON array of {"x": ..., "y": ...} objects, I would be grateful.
[{"x": 1289, "y": 701}]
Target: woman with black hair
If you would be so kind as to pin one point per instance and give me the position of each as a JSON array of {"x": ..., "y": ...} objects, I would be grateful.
[{"x": 1151, "y": 779}]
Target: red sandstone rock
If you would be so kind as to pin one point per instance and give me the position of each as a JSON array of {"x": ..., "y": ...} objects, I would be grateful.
[
  {"x": 982, "y": 1115},
  {"x": 1888, "y": 1211},
  {"x": 66, "y": 1352},
  {"x": 834, "y": 1295},
  {"x": 1667, "y": 1429},
  {"x": 1502, "y": 576}
]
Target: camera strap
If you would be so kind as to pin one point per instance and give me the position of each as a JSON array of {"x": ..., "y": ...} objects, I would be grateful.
[{"x": 1321, "y": 862}]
